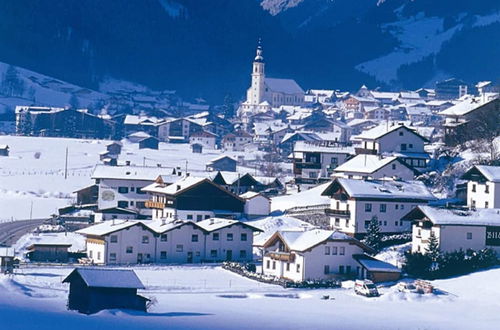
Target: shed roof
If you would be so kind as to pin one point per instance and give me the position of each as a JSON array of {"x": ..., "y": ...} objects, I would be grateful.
[{"x": 107, "y": 278}]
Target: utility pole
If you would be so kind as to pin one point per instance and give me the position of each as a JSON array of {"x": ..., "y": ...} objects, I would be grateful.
[
  {"x": 186, "y": 173},
  {"x": 66, "y": 165},
  {"x": 31, "y": 211}
]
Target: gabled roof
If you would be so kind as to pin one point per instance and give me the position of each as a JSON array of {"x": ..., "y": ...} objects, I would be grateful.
[
  {"x": 490, "y": 173},
  {"x": 468, "y": 105},
  {"x": 380, "y": 189},
  {"x": 107, "y": 227},
  {"x": 382, "y": 130},
  {"x": 233, "y": 177},
  {"x": 298, "y": 240},
  {"x": 304, "y": 146},
  {"x": 444, "y": 216},
  {"x": 213, "y": 224},
  {"x": 287, "y": 86},
  {"x": 107, "y": 278},
  {"x": 220, "y": 158},
  {"x": 7, "y": 252},
  {"x": 142, "y": 173},
  {"x": 367, "y": 164}
]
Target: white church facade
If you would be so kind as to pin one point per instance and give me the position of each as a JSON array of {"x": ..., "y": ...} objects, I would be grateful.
[{"x": 266, "y": 93}]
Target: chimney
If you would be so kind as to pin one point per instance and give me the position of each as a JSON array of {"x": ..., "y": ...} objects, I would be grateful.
[
  {"x": 163, "y": 222},
  {"x": 212, "y": 221}
]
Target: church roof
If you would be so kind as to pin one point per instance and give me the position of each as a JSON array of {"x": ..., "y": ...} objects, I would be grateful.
[{"x": 287, "y": 86}]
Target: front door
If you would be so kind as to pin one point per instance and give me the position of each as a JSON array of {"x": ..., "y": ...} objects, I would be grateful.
[
  {"x": 139, "y": 258},
  {"x": 229, "y": 255},
  {"x": 190, "y": 258}
]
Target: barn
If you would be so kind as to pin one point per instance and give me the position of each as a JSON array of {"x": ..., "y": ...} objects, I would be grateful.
[{"x": 92, "y": 290}]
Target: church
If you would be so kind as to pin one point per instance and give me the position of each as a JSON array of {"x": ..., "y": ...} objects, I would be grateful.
[{"x": 266, "y": 93}]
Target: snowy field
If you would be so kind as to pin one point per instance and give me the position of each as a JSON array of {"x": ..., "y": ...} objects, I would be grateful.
[
  {"x": 208, "y": 297},
  {"x": 32, "y": 177}
]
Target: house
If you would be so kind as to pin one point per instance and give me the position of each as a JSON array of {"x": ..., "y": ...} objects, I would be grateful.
[
  {"x": 397, "y": 140},
  {"x": 359, "y": 125},
  {"x": 354, "y": 203},
  {"x": 120, "y": 186},
  {"x": 140, "y": 123},
  {"x": 114, "y": 148},
  {"x": 48, "y": 252},
  {"x": 314, "y": 254},
  {"x": 374, "y": 167},
  {"x": 289, "y": 140},
  {"x": 116, "y": 213},
  {"x": 178, "y": 129},
  {"x": 87, "y": 195},
  {"x": 136, "y": 137},
  {"x": 192, "y": 198},
  {"x": 483, "y": 186},
  {"x": 377, "y": 113},
  {"x": 222, "y": 163},
  {"x": 203, "y": 138},
  {"x": 175, "y": 241},
  {"x": 236, "y": 183},
  {"x": 149, "y": 143},
  {"x": 256, "y": 204},
  {"x": 236, "y": 141},
  {"x": 455, "y": 229},
  {"x": 197, "y": 148},
  {"x": 4, "y": 150},
  {"x": 452, "y": 88},
  {"x": 340, "y": 130},
  {"x": 377, "y": 270},
  {"x": 92, "y": 290},
  {"x": 314, "y": 162},
  {"x": 419, "y": 113},
  {"x": 472, "y": 118},
  {"x": 7, "y": 255}
]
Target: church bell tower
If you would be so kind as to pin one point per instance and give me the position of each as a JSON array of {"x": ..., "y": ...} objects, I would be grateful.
[{"x": 256, "y": 92}]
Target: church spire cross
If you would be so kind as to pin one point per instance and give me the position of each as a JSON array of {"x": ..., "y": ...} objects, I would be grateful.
[{"x": 259, "y": 57}]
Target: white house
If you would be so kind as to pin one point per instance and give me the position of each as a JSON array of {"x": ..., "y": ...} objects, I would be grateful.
[
  {"x": 236, "y": 141},
  {"x": 355, "y": 202},
  {"x": 483, "y": 186},
  {"x": 135, "y": 242},
  {"x": 205, "y": 138},
  {"x": 311, "y": 254},
  {"x": 121, "y": 186},
  {"x": 455, "y": 229},
  {"x": 256, "y": 204},
  {"x": 397, "y": 140},
  {"x": 374, "y": 167}
]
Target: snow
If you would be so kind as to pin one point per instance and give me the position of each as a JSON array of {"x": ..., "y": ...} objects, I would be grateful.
[
  {"x": 272, "y": 224},
  {"x": 305, "y": 146},
  {"x": 208, "y": 297},
  {"x": 492, "y": 173},
  {"x": 364, "y": 164},
  {"x": 176, "y": 188},
  {"x": 132, "y": 172},
  {"x": 394, "y": 254},
  {"x": 108, "y": 278},
  {"x": 478, "y": 217},
  {"x": 287, "y": 86},
  {"x": 304, "y": 198},
  {"x": 308, "y": 238},
  {"x": 464, "y": 107},
  {"x": 77, "y": 241}
]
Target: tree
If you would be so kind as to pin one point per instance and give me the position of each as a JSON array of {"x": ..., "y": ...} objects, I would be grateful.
[
  {"x": 432, "y": 251},
  {"x": 373, "y": 237},
  {"x": 73, "y": 102},
  {"x": 26, "y": 124},
  {"x": 12, "y": 85}
]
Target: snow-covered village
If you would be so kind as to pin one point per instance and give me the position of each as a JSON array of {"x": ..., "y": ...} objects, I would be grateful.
[{"x": 254, "y": 184}]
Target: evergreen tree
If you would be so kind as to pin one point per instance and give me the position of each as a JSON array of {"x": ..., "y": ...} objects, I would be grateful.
[
  {"x": 373, "y": 237},
  {"x": 432, "y": 249},
  {"x": 228, "y": 107},
  {"x": 26, "y": 124}
]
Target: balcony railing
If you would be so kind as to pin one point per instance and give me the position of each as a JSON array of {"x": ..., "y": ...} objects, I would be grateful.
[
  {"x": 314, "y": 166},
  {"x": 155, "y": 205},
  {"x": 363, "y": 151},
  {"x": 281, "y": 256},
  {"x": 340, "y": 213}
]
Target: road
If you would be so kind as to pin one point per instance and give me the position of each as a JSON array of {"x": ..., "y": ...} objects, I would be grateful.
[{"x": 10, "y": 232}]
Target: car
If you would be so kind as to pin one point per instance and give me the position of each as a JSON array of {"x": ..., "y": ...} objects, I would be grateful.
[
  {"x": 407, "y": 287},
  {"x": 365, "y": 288}
]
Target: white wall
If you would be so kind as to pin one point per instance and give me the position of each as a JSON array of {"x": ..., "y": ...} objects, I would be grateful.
[
  {"x": 256, "y": 206},
  {"x": 480, "y": 197},
  {"x": 109, "y": 195}
]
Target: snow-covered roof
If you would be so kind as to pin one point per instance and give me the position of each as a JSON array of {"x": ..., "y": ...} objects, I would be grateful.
[
  {"x": 218, "y": 223},
  {"x": 131, "y": 173},
  {"x": 4, "y": 146},
  {"x": 176, "y": 187},
  {"x": 303, "y": 240},
  {"x": 307, "y": 136},
  {"x": 138, "y": 120},
  {"x": 221, "y": 157},
  {"x": 468, "y": 104},
  {"x": 107, "y": 278},
  {"x": 139, "y": 135},
  {"x": 304, "y": 146},
  {"x": 384, "y": 95},
  {"x": 491, "y": 173},
  {"x": 381, "y": 130},
  {"x": 251, "y": 194},
  {"x": 365, "y": 164},
  {"x": 107, "y": 227},
  {"x": 374, "y": 265},
  {"x": 7, "y": 252},
  {"x": 287, "y": 86},
  {"x": 443, "y": 216},
  {"x": 382, "y": 189}
]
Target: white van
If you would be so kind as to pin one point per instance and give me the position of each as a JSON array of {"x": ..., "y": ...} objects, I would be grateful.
[{"x": 366, "y": 288}]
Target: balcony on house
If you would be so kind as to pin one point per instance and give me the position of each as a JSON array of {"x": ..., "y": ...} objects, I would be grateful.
[
  {"x": 338, "y": 213},
  {"x": 154, "y": 205},
  {"x": 365, "y": 151},
  {"x": 281, "y": 256}
]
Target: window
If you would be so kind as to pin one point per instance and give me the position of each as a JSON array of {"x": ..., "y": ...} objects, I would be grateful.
[
  {"x": 215, "y": 236},
  {"x": 327, "y": 269},
  {"x": 327, "y": 250},
  {"x": 313, "y": 175},
  {"x": 368, "y": 207},
  {"x": 337, "y": 222},
  {"x": 140, "y": 205},
  {"x": 487, "y": 189},
  {"x": 367, "y": 223},
  {"x": 473, "y": 187},
  {"x": 396, "y": 206},
  {"x": 129, "y": 249},
  {"x": 341, "y": 269},
  {"x": 298, "y": 268},
  {"x": 401, "y": 133},
  {"x": 112, "y": 257},
  {"x": 189, "y": 217},
  {"x": 334, "y": 250},
  {"x": 163, "y": 238},
  {"x": 113, "y": 239},
  {"x": 230, "y": 237},
  {"x": 393, "y": 166},
  {"x": 199, "y": 217},
  {"x": 403, "y": 146},
  {"x": 122, "y": 204},
  {"x": 132, "y": 188},
  {"x": 469, "y": 235},
  {"x": 347, "y": 222},
  {"x": 163, "y": 255},
  {"x": 419, "y": 233},
  {"x": 383, "y": 208},
  {"x": 274, "y": 264},
  {"x": 179, "y": 248},
  {"x": 123, "y": 190},
  {"x": 194, "y": 238},
  {"x": 91, "y": 253},
  {"x": 244, "y": 237},
  {"x": 243, "y": 254},
  {"x": 145, "y": 239},
  {"x": 402, "y": 206},
  {"x": 486, "y": 204},
  {"x": 207, "y": 216},
  {"x": 410, "y": 146},
  {"x": 98, "y": 255},
  {"x": 342, "y": 250},
  {"x": 268, "y": 264},
  {"x": 432, "y": 233},
  {"x": 213, "y": 254},
  {"x": 385, "y": 223},
  {"x": 348, "y": 269},
  {"x": 131, "y": 203},
  {"x": 139, "y": 191},
  {"x": 395, "y": 223}
]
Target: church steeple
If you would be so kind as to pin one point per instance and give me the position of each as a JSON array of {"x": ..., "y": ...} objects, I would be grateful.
[
  {"x": 259, "y": 57},
  {"x": 256, "y": 92}
]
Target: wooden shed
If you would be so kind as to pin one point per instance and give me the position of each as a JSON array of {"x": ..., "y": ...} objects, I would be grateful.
[
  {"x": 197, "y": 148},
  {"x": 4, "y": 150},
  {"x": 377, "y": 270},
  {"x": 94, "y": 289},
  {"x": 149, "y": 143},
  {"x": 49, "y": 252},
  {"x": 6, "y": 260}
]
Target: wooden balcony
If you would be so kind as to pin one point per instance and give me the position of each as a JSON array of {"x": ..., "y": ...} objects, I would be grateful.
[
  {"x": 281, "y": 256},
  {"x": 154, "y": 205},
  {"x": 363, "y": 151},
  {"x": 338, "y": 213},
  {"x": 307, "y": 165}
]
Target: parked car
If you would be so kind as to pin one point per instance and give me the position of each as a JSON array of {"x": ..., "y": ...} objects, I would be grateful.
[
  {"x": 407, "y": 287},
  {"x": 365, "y": 288}
]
